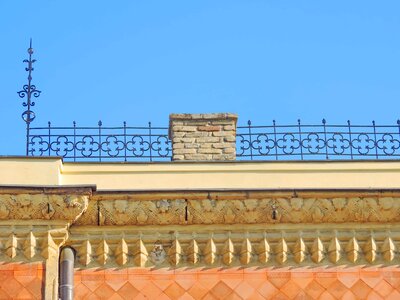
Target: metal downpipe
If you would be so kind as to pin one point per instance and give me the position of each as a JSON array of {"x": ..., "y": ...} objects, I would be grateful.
[{"x": 67, "y": 258}]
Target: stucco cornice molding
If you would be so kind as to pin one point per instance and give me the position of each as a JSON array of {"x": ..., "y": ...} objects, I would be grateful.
[
  {"x": 250, "y": 246},
  {"x": 25, "y": 242}
]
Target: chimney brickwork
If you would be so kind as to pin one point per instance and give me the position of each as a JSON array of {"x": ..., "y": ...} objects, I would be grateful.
[{"x": 203, "y": 137}]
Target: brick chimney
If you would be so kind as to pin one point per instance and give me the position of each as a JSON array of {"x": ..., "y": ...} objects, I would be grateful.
[{"x": 203, "y": 137}]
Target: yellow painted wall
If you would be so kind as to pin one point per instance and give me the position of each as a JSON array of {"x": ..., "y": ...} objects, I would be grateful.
[
  {"x": 30, "y": 171},
  {"x": 191, "y": 175}
]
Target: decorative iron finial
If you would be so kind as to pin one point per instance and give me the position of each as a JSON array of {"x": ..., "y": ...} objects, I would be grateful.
[{"x": 29, "y": 90}]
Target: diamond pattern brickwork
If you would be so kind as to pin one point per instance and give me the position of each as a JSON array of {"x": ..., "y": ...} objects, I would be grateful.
[
  {"x": 21, "y": 281},
  {"x": 237, "y": 283}
]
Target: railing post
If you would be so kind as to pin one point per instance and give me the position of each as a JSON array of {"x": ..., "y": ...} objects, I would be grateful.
[
  {"x": 375, "y": 141},
  {"x": 150, "y": 140},
  {"x": 27, "y": 139},
  {"x": 74, "y": 124},
  {"x": 250, "y": 139},
  {"x": 124, "y": 140},
  {"x": 350, "y": 140},
  {"x": 398, "y": 126},
  {"x": 325, "y": 141},
  {"x": 100, "y": 123},
  {"x": 300, "y": 139},
  {"x": 275, "y": 140},
  {"x": 49, "y": 136}
]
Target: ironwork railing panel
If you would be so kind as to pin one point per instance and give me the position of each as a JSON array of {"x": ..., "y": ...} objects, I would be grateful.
[
  {"x": 101, "y": 143},
  {"x": 271, "y": 142},
  {"x": 318, "y": 142}
]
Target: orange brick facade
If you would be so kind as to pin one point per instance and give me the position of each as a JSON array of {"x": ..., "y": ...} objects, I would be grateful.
[
  {"x": 21, "y": 281},
  {"x": 236, "y": 283}
]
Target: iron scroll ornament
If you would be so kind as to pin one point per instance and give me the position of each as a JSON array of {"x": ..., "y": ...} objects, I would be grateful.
[{"x": 28, "y": 91}]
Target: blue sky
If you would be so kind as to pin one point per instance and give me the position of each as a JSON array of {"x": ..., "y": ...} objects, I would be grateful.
[{"x": 139, "y": 61}]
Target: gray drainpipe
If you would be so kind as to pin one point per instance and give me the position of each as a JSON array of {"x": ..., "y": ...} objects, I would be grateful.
[{"x": 67, "y": 258}]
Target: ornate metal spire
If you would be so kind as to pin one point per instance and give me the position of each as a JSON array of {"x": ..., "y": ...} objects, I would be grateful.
[{"x": 29, "y": 90}]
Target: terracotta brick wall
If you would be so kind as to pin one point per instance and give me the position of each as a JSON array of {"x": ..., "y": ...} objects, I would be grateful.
[
  {"x": 21, "y": 281},
  {"x": 235, "y": 283}
]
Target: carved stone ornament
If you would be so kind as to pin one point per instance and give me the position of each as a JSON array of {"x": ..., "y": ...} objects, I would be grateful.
[
  {"x": 172, "y": 211},
  {"x": 42, "y": 207},
  {"x": 295, "y": 210},
  {"x": 157, "y": 212},
  {"x": 158, "y": 254}
]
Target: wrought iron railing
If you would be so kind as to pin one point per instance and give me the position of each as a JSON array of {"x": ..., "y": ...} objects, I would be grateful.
[
  {"x": 101, "y": 143},
  {"x": 274, "y": 142},
  {"x": 319, "y": 142}
]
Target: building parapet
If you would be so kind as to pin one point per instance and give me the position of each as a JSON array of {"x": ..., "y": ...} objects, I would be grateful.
[
  {"x": 206, "y": 137},
  {"x": 227, "y": 175}
]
